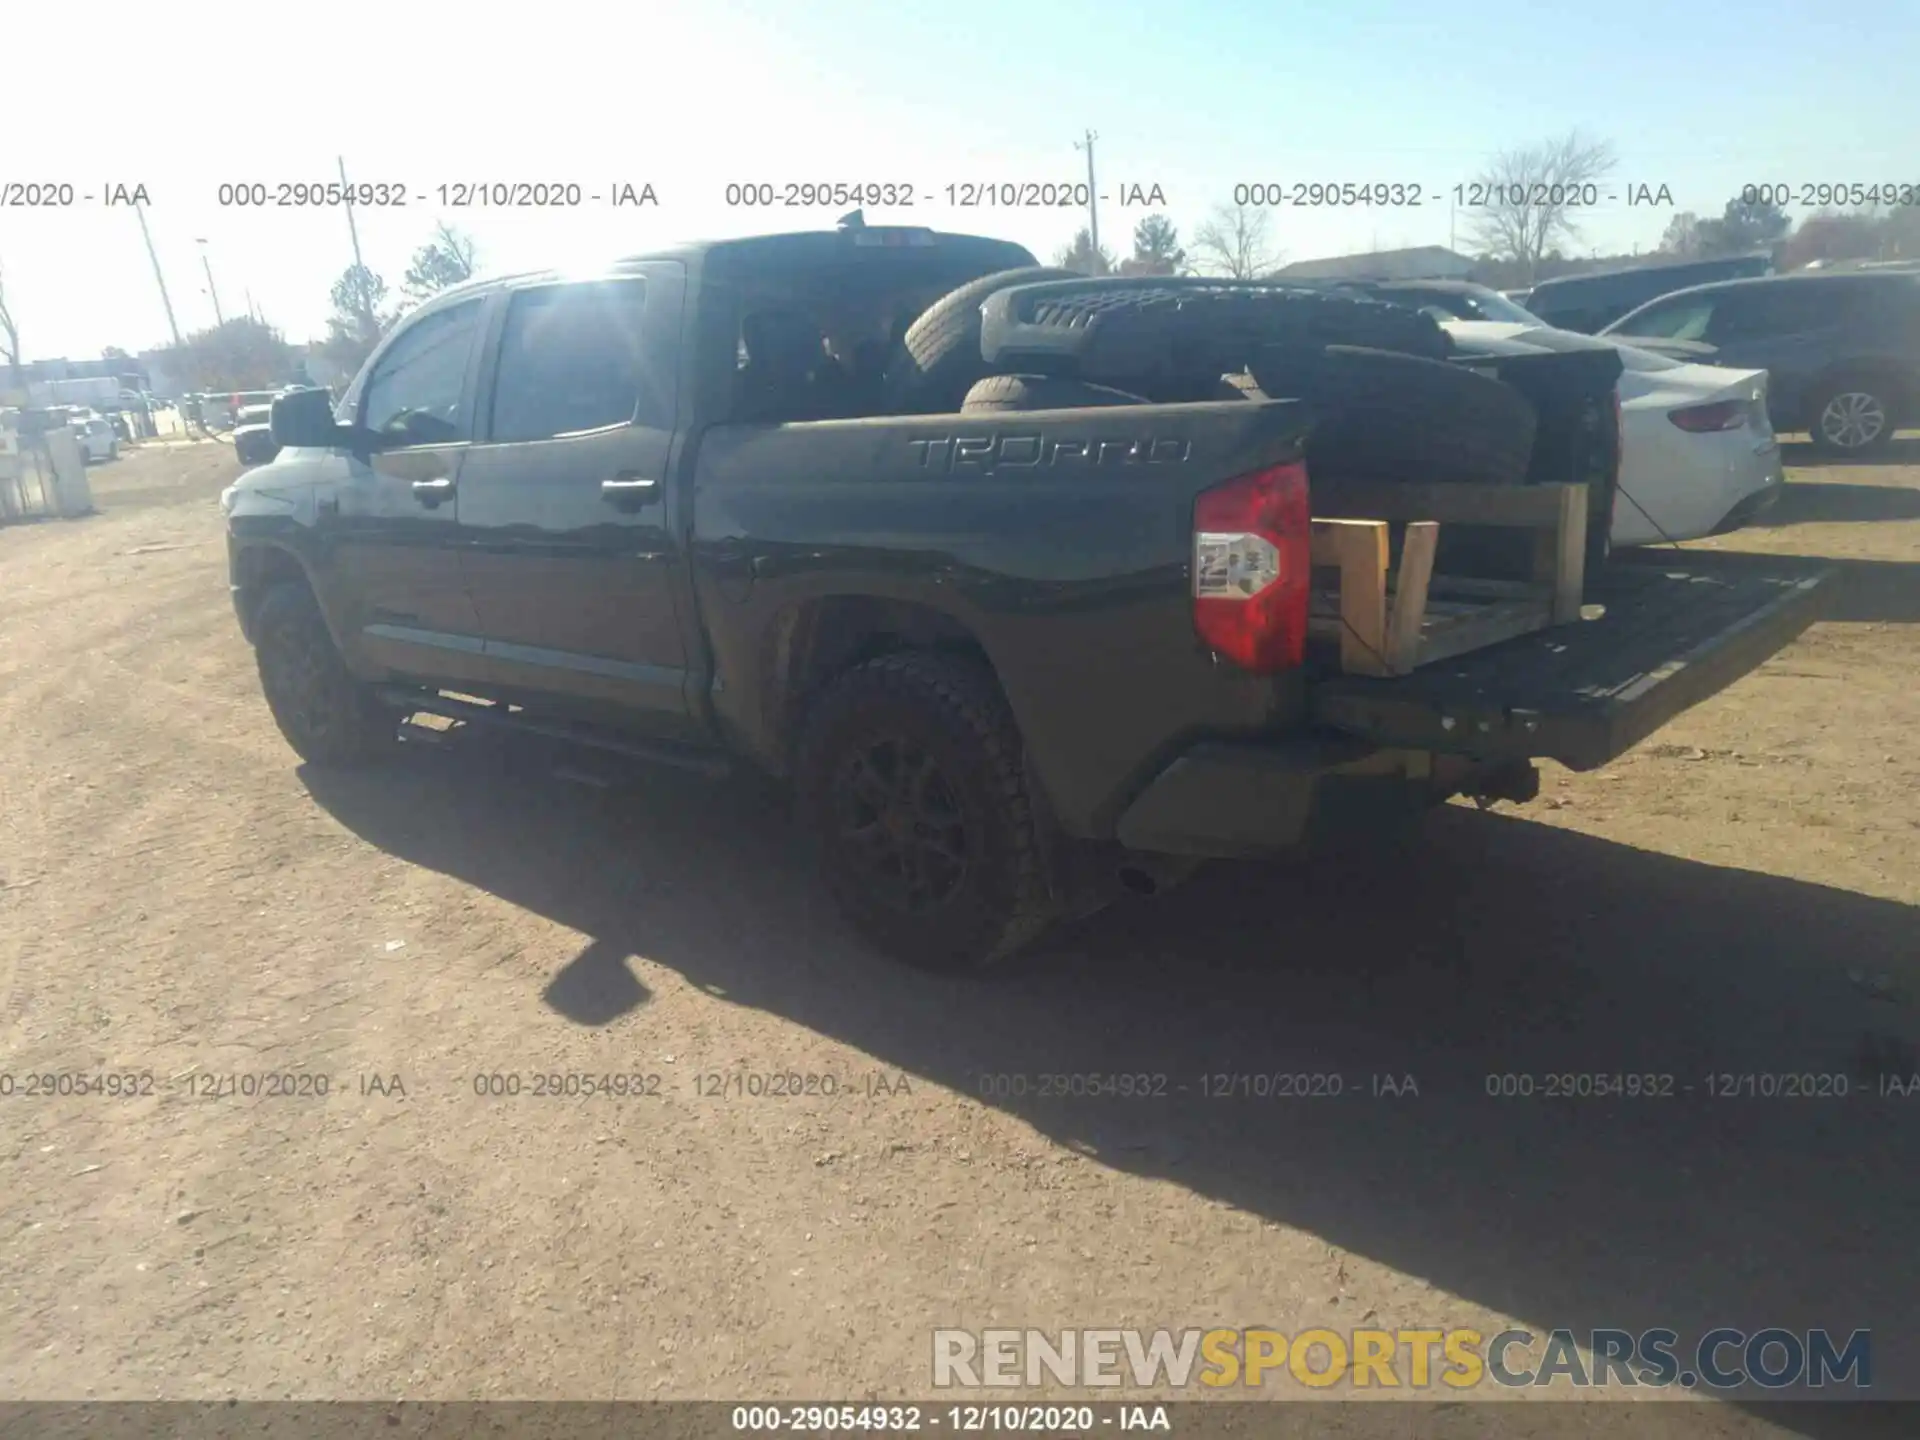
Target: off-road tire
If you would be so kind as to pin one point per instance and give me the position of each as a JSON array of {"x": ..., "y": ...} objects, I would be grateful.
[
  {"x": 1040, "y": 392},
  {"x": 939, "y": 358},
  {"x": 1385, "y": 416},
  {"x": 941, "y": 718},
  {"x": 326, "y": 715},
  {"x": 1173, "y": 337}
]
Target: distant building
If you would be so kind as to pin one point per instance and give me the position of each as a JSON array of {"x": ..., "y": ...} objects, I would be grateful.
[
  {"x": 1422, "y": 262},
  {"x": 42, "y": 371}
]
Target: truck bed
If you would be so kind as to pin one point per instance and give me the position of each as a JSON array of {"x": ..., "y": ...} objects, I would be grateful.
[{"x": 1672, "y": 628}]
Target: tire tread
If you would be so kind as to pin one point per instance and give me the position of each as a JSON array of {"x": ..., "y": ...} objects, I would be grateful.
[
  {"x": 367, "y": 729},
  {"x": 965, "y": 695}
]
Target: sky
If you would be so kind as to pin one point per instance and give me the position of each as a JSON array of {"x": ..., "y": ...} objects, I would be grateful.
[{"x": 688, "y": 98}]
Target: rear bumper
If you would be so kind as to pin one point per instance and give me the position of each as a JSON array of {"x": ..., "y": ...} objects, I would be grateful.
[
  {"x": 1748, "y": 510},
  {"x": 1675, "y": 630},
  {"x": 1231, "y": 799}
]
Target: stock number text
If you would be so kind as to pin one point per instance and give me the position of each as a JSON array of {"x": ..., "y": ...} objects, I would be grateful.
[{"x": 310, "y": 194}]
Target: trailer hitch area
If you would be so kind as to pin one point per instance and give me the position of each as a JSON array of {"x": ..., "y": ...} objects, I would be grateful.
[{"x": 1515, "y": 780}]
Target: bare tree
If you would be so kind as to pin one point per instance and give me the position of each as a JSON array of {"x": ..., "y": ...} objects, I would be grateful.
[
  {"x": 360, "y": 317},
  {"x": 1684, "y": 236},
  {"x": 445, "y": 260},
  {"x": 1234, "y": 241},
  {"x": 9, "y": 336},
  {"x": 1534, "y": 193},
  {"x": 1829, "y": 237}
]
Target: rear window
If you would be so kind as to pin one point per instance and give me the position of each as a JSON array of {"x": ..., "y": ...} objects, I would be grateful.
[
  {"x": 1897, "y": 292},
  {"x": 1548, "y": 338},
  {"x": 1777, "y": 308},
  {"x": 1683, "y": 318},
  {"x": 1645, "y": 362},
  {"x": 1461, "y": 304}
]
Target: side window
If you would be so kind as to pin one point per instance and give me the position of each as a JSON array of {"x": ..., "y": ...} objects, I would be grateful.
[
  {"x": 413, "y": 394},
  {"x": 1776, "y": 309},
  {"x": 574, "y": 358},
  {"x": 1682, "y": 319}
]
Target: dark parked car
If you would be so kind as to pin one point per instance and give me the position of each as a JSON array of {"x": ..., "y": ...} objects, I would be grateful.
[
  {"x": 1843, "y": 350},
  {"x": 1014, "y": 654},
  {"x": 1589, "y": 303}
]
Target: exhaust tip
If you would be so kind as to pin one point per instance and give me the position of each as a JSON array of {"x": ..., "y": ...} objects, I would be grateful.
[{"x": 1136, "y": 881}]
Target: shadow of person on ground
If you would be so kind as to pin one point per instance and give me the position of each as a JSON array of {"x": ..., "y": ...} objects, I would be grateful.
[{"x": 1493, "y": 947}]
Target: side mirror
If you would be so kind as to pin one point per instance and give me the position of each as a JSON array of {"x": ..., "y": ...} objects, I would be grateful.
[{"x": 304, "y": 419}]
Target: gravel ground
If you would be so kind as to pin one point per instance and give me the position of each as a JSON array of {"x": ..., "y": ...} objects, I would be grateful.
[{"x": 180, "y": 898}]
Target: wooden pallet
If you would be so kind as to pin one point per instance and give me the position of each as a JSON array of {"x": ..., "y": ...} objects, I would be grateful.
[{"x": 1388, "y": 623}]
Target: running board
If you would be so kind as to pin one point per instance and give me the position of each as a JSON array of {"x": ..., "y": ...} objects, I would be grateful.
[{"x": 499, "y": 717}]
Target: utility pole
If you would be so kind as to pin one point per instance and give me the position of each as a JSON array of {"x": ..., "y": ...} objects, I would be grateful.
[
  {"x": 207, "y": 265},
  {"x": 1093, "y": 192},
  {"x": 159, "y": 279},
  {"x": 352, "y": 229}
]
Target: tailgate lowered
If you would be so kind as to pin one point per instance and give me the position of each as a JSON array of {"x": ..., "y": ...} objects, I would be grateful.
[{"x": 1676, "y": 628}]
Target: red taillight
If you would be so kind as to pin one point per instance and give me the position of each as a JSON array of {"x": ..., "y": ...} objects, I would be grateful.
[
  {"x": 1252, "y": 566},
  {"x": 1701, "y": 419}
]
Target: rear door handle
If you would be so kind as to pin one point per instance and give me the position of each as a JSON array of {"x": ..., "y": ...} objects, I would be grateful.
[
  {"x": 432, "y": 492},
  {"x": 627, "y": 491}
]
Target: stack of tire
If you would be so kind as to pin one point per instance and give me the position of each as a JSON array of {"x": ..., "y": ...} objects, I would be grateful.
[{"x": 1387, "y": 404}]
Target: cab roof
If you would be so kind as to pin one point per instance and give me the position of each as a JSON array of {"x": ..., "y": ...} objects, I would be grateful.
[{"x": 796, "y": 249}]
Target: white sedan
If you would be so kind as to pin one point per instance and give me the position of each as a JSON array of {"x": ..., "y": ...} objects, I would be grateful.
[
  {"x": 1697, "y": 450},
  {"x": 96, "y": 436}
]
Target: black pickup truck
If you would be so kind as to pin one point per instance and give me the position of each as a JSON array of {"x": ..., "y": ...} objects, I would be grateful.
[{"x": 1012, "y": 661}]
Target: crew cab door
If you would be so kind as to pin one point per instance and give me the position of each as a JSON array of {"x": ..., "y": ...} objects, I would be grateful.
[
  {"x": 571, "y": 559},
  {"x": 388, "y": 516}
]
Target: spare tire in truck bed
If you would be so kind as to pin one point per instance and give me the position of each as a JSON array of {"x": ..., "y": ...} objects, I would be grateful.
[
  {"x": 940, "y": 354},
  {"x": 1040, "y": 392},
  {"x": 1385, "y": 416},
  {"x": 1166, "y": 337}
]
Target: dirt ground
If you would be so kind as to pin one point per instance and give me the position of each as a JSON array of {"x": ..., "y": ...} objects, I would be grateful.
[{"x": 180, "y": 898}]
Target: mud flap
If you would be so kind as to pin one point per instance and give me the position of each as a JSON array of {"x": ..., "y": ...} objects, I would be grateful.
[{"x": 1674, "y": 628}]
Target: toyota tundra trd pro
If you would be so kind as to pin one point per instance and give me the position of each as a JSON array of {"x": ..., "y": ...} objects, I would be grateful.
[{"x": 989, "y": 562}]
